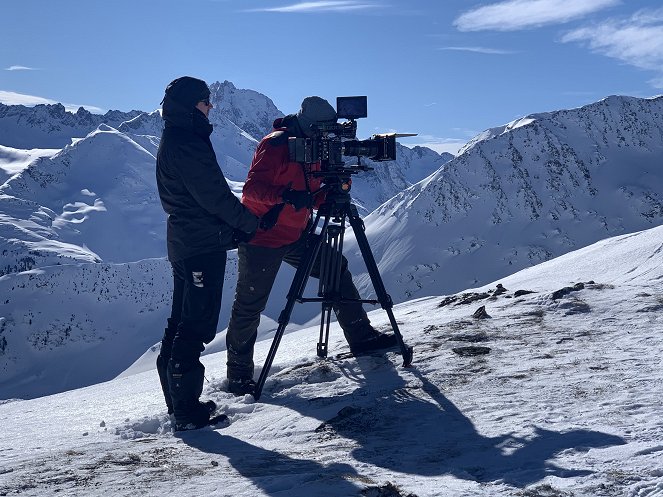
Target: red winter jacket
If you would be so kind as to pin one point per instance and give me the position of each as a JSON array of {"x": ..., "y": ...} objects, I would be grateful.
[{"x": 272, "y": 173}]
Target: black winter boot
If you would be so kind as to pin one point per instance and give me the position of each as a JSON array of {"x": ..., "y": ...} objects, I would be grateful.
[
  {"x": 162, "y": 369},
  {"x": 185, "y": 379},
  {"x": 241, "y": 386},
  {"x": 379, "y": 342},
  {"x": 162, "y": 361}
]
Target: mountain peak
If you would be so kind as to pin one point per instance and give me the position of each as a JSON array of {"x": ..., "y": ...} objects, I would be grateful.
[{"x": 249, "y": 110}]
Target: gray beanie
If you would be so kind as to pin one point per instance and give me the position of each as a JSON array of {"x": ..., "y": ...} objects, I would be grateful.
[{"x": 315, "y": 110}]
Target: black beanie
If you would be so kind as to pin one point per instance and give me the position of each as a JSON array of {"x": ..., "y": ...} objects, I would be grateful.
[
  {"x": 315, "y": 110},
  {"x": 187, "y": 91}
]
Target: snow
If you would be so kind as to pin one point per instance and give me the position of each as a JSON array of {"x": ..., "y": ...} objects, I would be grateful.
[{"x": 565, "y": 403}]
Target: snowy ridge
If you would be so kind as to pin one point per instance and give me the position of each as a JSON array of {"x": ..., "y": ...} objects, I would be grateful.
[
  {"x": 145, "y": 123},
  {"x": 536, "y": 191},
  {"x": 552, "y": 393},
  {"x": 13, "y": 160}
]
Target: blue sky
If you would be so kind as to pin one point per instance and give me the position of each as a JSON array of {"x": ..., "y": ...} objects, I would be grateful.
[{"x": 446, "y": 69}]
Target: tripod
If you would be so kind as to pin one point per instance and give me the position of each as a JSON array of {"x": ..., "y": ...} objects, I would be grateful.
[{"x": 331, "y": 216}]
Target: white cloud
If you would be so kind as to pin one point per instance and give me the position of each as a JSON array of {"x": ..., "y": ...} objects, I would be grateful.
[
  {"x": 513, "y": 15},
  {"x": 638, "y": 41},
  {"x": 450, "y": 145},
  {"x": 12, "y": 98},
  {"x": 491, "y": 51},
  {"x": 20, "y": 68},
  {"x": 320, "y": 6}
]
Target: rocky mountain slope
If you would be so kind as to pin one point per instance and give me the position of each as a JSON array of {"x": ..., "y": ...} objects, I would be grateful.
[{"x": 521, "y": 194}]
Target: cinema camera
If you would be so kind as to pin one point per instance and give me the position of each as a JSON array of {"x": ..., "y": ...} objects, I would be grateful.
[{"x": 331, "y": 142}]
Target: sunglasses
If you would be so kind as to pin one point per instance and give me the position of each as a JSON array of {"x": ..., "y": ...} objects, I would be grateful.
[{"x": 205, "y": 101}]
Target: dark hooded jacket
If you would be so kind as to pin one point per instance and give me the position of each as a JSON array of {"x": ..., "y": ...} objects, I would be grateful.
[{"x": 202, "y": 210}]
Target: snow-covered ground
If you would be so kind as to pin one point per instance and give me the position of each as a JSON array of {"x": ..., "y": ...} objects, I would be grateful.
[{"x": 564, "y": 401}]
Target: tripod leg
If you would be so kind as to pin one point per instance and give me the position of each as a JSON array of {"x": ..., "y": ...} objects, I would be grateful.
[
  {"x": 296, "y": 290},
  {"x": 383, "y": 297},
  {"x": 330, "y": 281},
  {"x": 325, "y": 322}
]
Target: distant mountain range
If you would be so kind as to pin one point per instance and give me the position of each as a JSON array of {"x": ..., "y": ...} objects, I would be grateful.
[{"x": 51, "y": 126}]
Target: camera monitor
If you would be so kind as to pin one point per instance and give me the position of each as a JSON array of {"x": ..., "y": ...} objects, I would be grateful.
[{"x": 351, "y": 107}]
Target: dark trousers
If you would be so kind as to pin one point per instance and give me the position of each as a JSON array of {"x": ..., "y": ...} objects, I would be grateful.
[
  {"x": 257, "y": 269},
  {"x": 197, "y": 289}
]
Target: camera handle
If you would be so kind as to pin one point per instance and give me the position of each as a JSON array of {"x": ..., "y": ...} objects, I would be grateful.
[{"x": 330, "y": 241}]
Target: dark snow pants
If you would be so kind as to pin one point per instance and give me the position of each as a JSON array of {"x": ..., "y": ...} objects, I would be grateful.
[
  {"x": 197, "y": 289},
  {"x": 257, "y": 269}
]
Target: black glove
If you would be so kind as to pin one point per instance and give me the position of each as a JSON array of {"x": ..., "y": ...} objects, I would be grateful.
[
  {"x": 299, "y": 199},
  {"x": 240, "y": 236},
  {"x": 268, "y": 221}
]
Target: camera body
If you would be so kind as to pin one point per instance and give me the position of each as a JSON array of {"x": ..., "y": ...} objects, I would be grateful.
[{"x": 331, "y": 142}]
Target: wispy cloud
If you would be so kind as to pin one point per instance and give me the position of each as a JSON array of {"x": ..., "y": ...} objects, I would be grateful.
[
  {"x": 513, "y": 15},
  {"x": 637, "y": 41},
  {"x": 320, "y": 6},
  {"x": 450, "y": 145},
  {"x": 20, "y": 68},
  {"x": 491, "y": 51},
  {"x": 12, "y": 98}
]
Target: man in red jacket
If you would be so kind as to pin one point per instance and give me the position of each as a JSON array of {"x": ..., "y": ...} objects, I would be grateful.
[{"x": 276, "y": 185}]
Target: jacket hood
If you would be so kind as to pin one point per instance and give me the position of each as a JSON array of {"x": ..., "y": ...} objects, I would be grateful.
[{"x": 177, "y": 115}]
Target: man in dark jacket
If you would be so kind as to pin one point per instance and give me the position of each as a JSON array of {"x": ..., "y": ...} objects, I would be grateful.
[
  {"x": 275, "y": 184},
  {"x": 202, "y": 213}
]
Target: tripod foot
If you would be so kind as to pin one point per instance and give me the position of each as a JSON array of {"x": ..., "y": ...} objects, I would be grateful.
[{"x": 407, "y": 357}]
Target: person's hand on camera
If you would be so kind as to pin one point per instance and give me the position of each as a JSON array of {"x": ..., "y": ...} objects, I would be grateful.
[{"x": 299, "y": 199}]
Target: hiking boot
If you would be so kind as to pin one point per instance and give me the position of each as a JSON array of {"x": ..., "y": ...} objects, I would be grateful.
[
  {"x": 210, "y": 405},
  {"x": 241, "y": 386},
  {"x": 198, "y": 416},
  {"x": 378, "y": 342}
]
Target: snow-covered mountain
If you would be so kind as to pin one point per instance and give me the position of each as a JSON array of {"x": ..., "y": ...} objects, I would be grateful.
[
  {"x": 87, "y": 202},
  {"x": 522, "y": 194},
  {"x": 555, "y": 394}
]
